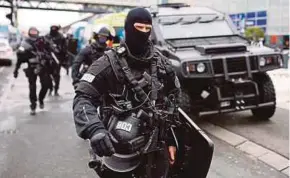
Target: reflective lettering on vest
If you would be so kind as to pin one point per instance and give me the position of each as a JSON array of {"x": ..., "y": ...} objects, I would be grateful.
[{"x": 124, "y": 126}]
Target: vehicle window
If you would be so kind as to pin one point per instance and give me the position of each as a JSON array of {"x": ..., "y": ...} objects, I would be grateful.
[
  {"x": 182, "y": 43},
  {"x": 174, "y": 27}
]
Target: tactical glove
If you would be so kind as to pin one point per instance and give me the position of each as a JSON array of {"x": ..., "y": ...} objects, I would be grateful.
[
  {"x": 101, "y": 144},
  {"x": 75, "y": 83}
]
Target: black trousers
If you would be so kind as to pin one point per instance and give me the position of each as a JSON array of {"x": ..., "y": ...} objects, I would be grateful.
[
  {"x": 56, "y": 76},
  {"x": 44, "y": 81}
]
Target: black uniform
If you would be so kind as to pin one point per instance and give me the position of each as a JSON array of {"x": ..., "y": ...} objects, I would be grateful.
[
  {"x": 34, "y": 52},
  {"x": 86, "y": 57},
  {"x": 101, "y": 81},
  {"x": 60, "y": 45},
  {"x": 131, "y": 86},
  {"x": 71, "y": 50}
]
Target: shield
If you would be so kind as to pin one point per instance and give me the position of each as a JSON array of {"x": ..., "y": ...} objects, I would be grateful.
[
  {"x": 193, "y": 159},
  {"x": 195, "y": 150}
]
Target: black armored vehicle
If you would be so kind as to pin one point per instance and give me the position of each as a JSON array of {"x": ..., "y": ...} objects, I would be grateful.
[{"x": 220, "y": 70}]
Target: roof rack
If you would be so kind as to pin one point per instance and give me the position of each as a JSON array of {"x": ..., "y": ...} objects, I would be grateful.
[{"x": 173, "y": 5}]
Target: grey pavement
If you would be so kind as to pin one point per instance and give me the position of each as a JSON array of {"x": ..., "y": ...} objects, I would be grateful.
[
  {"x": 273, "y": 134},
  {"x": 4, "y": 77},
  {"x": 229, "y": 162},
  {"x": 46, "y": 145}
]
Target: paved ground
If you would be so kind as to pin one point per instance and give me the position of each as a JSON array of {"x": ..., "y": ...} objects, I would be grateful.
[
  {"x": 46, "y": 145},
  {"x": 4, "y": 73}
]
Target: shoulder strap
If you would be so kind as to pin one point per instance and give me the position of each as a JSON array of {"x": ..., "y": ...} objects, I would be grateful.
[
  {"x": 131, "y": 80},
  {"x": 113, "y": 58},
  {"x": 119, "y": 64}
]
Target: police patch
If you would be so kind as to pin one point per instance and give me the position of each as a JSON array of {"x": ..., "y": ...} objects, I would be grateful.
[
  {"x": 177, "y": 83},
  {"x": 124, "y": 126},
  {"x": 121, "y": 50},
  {"x": 88, "y": 77}
]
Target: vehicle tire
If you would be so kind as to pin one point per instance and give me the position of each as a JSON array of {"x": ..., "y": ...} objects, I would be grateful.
[{"x": 267, "y": 94}]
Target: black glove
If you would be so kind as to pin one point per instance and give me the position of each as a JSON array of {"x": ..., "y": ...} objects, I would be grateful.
[
  {"x": 75, "y": 83},
  {"x": 15, "y": 74},
  {"x": 102, "y": 145}
]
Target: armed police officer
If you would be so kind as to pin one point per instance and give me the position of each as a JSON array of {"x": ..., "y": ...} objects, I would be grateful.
[
  {"x": 34, "y": 52},
  {"x": 122, "y": 103},
  {"x": 60, "y": 45},
  {"x": 90, "y": 53}
]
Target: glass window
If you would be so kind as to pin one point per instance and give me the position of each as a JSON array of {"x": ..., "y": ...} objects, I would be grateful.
[
  {"x": 251, "y": 15},
  {"x": 262, "y": 14},
  {"x": 193, "y": 26},
  {"x": 261, "y": 22}
]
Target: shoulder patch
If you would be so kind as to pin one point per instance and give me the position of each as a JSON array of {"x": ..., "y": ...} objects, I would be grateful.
[
  {"x": 121, "y": 50},
  {"x": 88, "y": 77}
]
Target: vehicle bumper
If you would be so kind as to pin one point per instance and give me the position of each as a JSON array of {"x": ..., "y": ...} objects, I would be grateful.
[
  {"x": 238, "y": 95},
  {"x": 221, "y": 111}
]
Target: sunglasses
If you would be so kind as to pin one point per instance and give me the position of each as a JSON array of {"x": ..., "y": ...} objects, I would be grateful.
[{"x": 143, "y": 27}]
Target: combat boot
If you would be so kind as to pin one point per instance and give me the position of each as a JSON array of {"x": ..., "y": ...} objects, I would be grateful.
[
  {"x": 32, "y": 112},
  {"x": 56, "y": 93},
  {"x": 32, "y": 109},
  {"x": 41, "y": 105}
]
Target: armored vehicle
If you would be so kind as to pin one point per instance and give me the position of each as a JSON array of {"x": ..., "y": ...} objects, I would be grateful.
[{"x": 219, "y": 69}]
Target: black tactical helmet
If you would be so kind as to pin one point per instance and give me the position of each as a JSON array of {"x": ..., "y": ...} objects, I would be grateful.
[
  {"x": 101, "y": 35},
  {"x": 129, "y": 137},
  {"x": 33, "y": 33},
  {"x": 54, "y": 30},
  {"x": 54, "y": 27},
  {"x": 104, "y": 31}
]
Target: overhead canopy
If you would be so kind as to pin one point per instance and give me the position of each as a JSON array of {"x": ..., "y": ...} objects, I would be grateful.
[{"x": 113, "y": 20}]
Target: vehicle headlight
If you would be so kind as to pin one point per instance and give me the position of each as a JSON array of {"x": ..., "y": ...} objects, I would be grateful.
[
  {"x": 200, "y": 67},
  {"x": 262, "y": 61}
]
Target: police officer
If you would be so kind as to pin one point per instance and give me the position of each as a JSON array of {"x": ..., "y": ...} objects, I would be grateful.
[
  {"x": 33, "y": 51},
  {"x": 90, "y": 53},
  {"x": 116, "y": 103},
  {"x": 60, "y": 45}
]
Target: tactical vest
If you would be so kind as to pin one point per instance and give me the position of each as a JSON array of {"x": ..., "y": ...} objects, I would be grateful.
[{"x": 124, "y": 74}]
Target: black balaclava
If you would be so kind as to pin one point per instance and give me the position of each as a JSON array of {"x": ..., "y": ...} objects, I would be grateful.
[
  {"x": 54, "y": 30},
  {"x": 136, "y": 40}
]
